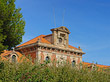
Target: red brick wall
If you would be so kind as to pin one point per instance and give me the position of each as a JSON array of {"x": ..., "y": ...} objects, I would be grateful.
[
  {"x": 42, "y": 57},
  {"x": 33, "y": 56},
  {"x": 27, "y": 52},
  {"x": 78, "y": 60},
  {"x": 68, "y": 60},
  {"x": 53, "y": 58}
]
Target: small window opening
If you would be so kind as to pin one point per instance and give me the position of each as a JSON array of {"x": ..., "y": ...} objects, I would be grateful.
[
  {"x": 13, "y": 58},
  {"x": 47, "y": 58},
  {"x": 73, "y": 63}
]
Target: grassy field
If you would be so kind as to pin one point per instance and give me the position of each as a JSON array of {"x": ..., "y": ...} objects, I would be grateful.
[{"x": 28, "y": 72}]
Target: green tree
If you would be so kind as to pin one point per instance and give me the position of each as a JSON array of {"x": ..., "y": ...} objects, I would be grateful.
[{"x": 11, "y": 25}]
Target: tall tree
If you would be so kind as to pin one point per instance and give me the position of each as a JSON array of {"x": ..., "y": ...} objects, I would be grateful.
[{"x": 11, "y": 25}]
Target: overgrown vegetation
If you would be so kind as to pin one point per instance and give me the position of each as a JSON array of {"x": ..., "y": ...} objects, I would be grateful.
[{"x": 28, "y": 72}]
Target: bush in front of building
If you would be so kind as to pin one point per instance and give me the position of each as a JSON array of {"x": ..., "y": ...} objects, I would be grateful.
[{"x": 28, "y": 72}]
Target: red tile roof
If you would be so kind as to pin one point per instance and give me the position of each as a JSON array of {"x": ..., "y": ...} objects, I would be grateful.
[
  {"x": 43, "y": 40},
  {"x": 73, "y": 47},
  {"x": 98, "y": 65},
  {"x": 34, "y": 40},
  {"x": 5, "y": 53},
  {"x": 19, "y": 59}
]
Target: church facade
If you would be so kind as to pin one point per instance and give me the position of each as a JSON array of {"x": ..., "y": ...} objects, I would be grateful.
[{"x": 53, "y": 47}]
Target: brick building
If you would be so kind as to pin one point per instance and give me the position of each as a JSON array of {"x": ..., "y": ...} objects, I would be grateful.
[{"x": 54, "y": 47}]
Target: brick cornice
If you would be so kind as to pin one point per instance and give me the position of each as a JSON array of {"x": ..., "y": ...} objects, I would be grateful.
[{"x": 50, "y": 46}]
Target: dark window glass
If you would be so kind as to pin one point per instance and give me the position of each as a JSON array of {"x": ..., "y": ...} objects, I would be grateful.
[
  {"x": 13, "y": 58},
  {"x": 47, "y": 58},
  {"x": 73, "y": 63}
]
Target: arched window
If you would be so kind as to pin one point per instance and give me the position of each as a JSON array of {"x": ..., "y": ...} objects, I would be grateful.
[
  {"x": 13, "y": 58},
  {"x": 47, "y": 58},
  {"x": 73, "y": 63}
]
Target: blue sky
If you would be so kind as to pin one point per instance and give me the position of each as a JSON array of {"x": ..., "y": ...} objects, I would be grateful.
[{"x": 87, "y": 20}]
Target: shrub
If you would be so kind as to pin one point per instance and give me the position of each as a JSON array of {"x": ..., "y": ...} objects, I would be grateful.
[{"x": 28, "y": 72}]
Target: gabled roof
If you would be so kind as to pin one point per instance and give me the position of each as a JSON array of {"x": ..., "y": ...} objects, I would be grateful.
[{"x": 43, "y": 40}]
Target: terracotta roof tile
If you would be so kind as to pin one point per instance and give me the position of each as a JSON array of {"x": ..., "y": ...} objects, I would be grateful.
[
  {"x": 43, "y": 40},
  {"x": 19, "y": 59},
  {"x": 5, "y": 53},
  {"x": 103, "y": 66},
  {"x": 98, "y": 65},
  {"x": 34, "y": 40},
  {"x": 73, "y": 47}
]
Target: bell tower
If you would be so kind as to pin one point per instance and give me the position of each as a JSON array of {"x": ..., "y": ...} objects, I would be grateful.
[{"x": 60, "y": 36}]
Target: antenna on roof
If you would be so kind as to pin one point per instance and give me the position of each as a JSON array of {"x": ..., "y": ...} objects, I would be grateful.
[
  {"x": 63, "y": 17},
  {"x": 54, "y": 17}
]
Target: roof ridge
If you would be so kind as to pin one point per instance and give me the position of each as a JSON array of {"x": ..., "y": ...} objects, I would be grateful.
[
  {"x": 47, "y": 35},
  {"x": 34, "y": 38}
]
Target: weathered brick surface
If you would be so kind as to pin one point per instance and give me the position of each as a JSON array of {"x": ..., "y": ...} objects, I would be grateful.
[
  {"x": 55, "y": 46},
  {"x": 42, "y": 57}
]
